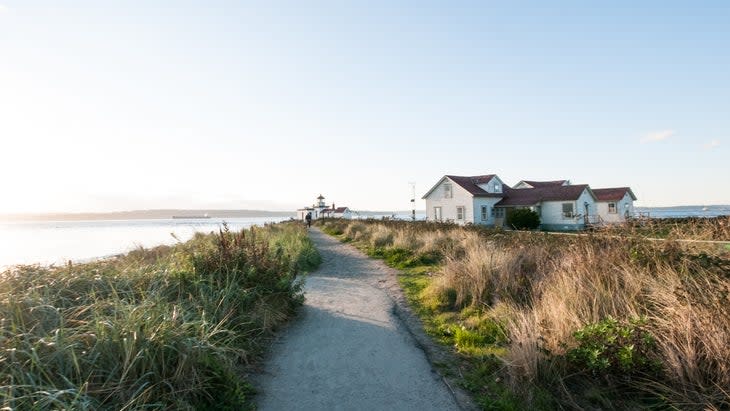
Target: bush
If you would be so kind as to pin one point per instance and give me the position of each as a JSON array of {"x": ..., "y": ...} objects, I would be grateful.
[
  {"x": 613, "y": 347},
  {"x": 523, "y": 219}
]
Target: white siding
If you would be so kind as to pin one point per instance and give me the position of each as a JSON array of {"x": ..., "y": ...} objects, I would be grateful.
[
  {"x": 586, "y": 197},
  {"x": 626, "y": 203},
  {"x": 460, "y": 198},
  {"x": 491, "y": 186},
  {"x": 552, "y": 211},
  {"x": 477, "y": 207}
]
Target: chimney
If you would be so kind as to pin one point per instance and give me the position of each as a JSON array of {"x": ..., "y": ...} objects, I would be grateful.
[{"x": 333, "y": 206}]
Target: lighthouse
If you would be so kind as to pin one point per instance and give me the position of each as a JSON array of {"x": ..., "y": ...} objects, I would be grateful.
[{"x": 316, "y": 209}]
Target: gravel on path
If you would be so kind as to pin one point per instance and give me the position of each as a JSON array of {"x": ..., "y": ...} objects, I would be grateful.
[{"x": 347, "y": 350}]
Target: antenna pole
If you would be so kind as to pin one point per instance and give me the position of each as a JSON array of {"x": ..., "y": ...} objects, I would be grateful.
[{"x": 413, "y": 200}]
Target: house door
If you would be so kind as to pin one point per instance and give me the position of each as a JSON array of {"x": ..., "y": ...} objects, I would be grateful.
[
  {"x": 587, "y": 219},
  {"x": 437, "y": 213}
]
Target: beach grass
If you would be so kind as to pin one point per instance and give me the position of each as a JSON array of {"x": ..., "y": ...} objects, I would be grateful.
[
  {"x": 608, "y": 320},
  {"x": 172, "y": 327}
]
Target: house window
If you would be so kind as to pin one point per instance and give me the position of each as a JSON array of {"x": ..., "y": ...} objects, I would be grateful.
[
  {"x": 485, "y": 213},
  {"x": 460, "y": 213},
  {"x": 437, "y": 213},
  {"x": 447, "y": 191},
  {"x": 497, "y": 188},
  {"x": 498, "y": 212},
  {"x": 567, "y": 210},
  {"x": 612, "y": 208}
]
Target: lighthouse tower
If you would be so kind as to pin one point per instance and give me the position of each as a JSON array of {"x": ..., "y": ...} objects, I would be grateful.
[{"x": 318, "y": 207}]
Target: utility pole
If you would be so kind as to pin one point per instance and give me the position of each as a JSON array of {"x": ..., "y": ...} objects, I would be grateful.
[{"x": 413, "y": 200}]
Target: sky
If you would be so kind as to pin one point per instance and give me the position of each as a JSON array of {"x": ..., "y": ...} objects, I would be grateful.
[{"x": 109, "y": 105}]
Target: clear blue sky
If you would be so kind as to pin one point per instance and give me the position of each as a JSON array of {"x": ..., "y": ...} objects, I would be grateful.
[{"x": 108, "y": 105}]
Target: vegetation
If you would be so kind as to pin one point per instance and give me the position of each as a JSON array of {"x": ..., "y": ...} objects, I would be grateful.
[
  {"x": 690, "y": 228},
  {"x": 162, "y": 328},
  {"x": 523, "y": 219},
  {"x": 549, "y": 321}
]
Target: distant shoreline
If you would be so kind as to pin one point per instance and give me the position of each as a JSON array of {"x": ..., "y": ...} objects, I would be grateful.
[
  {"x": 197, "y": 213},
  {"x": 144, "y": 215}
]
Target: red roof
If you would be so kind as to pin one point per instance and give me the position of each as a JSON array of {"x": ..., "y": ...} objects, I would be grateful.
[
  {"x": 540, "y": 184},
  {"x": 340, "y": 209},
  {"x": 532, "y": 196},
  {"x": 470, "y": 184},
  {"x": 612, "y": 194}
]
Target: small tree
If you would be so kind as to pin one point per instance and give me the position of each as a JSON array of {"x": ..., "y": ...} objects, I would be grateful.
[{"x": 523, "y": 219}]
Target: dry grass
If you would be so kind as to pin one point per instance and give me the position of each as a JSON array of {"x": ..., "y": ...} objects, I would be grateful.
[
  {"x": 548, "y": 287},
  {"x": 693, "y": 228}
]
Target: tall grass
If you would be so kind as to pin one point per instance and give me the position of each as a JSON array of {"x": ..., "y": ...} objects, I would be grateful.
[
  {"x": 603, "y": 321},
  {"x": 165, "y": 328},
  {"x": 690, "y": 228}
]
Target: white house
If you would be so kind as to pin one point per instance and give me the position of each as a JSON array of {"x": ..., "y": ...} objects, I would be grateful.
[
  {"x": 616, "y": 204},
  {"x": 464, "y": 199},
  {"x": 486, "y": 200}
]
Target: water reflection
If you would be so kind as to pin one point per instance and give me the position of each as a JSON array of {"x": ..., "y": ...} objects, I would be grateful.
[{"x": 55, "y": 242}]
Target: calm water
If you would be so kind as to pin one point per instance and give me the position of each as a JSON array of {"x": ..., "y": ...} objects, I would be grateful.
[
  {"x": 57, "y": 242},
  {"x": 685, "y": 211}
]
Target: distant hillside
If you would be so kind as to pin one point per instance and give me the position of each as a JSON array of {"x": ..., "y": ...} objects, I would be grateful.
[{"x": 145, "y": 214}]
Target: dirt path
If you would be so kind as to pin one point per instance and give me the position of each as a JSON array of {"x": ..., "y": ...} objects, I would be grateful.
[{"x": 348, "y": 351}]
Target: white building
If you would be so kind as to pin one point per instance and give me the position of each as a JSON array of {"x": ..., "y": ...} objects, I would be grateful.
[
  {"x": 464, "y": 199},
  {"x": 615, "y": 205},
  {"x": 486, "y": 200},
  {"x": 321, "y": 210}
]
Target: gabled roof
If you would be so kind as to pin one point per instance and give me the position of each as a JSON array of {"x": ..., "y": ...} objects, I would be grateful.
[
  {"x": 340, "y": 210},
  {"x": 533, "y": 196},
  {"x": 470, "y": 184},
  {"x": 613, "y": 194},
  {"x": 540, "y": 184}
]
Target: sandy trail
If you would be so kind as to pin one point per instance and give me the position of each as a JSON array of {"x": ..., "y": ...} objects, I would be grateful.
[{"x": 347, "y": 350}]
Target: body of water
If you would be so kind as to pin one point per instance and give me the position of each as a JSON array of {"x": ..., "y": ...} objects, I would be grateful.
[
  {"x": 56, "y": 242},
  {"x": 685, "y": 211}
]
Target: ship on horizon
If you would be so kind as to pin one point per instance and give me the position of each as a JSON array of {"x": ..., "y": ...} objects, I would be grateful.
[{"x": 191, "y": 216}]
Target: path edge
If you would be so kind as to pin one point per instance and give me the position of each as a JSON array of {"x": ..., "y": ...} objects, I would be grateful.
[{"x": 433, "y": 351}]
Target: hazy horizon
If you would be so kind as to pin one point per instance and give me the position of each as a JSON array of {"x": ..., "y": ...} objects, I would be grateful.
[
  {"x": 252, "y": 212},
  {"x": 260, "y": 105}
]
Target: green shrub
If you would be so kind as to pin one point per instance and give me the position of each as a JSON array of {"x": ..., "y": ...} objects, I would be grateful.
[
  {"x": 613, "y": 347},
  {"x": 523, "y": 219}
]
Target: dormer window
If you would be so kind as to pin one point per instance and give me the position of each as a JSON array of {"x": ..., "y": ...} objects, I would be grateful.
[
  {"x": 497, "y": 188},
  {"x": 447, "y": 191}
]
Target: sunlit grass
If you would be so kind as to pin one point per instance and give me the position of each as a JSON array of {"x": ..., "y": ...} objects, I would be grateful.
[
  {"x": 513, "y": 304},
  {"x": 164, "y": 328}
]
